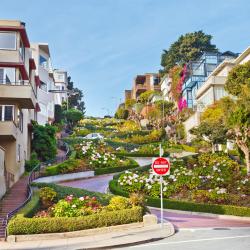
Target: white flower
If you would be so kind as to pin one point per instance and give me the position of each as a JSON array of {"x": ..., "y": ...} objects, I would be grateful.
[{"x": 73, "y": 206}]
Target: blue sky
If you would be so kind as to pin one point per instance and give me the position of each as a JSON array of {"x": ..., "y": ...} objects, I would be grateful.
[{"x": 104, "y": 43}]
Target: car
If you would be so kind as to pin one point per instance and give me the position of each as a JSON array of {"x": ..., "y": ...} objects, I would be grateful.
[{"x": 94, "y": 136}]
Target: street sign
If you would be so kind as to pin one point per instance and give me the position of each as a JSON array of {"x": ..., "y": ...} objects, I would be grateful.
[{"x": 161, "y": 166}]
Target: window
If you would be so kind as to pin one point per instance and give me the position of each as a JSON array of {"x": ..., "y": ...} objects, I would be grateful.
[
  {"x": 43, "y": 86},
  {"x": 20, "y": 120},
  {"x": 156, "y": 81},
  {"x": 62, "y": 87},
  {"x": 42, "y": 61},
  {"x": 19, "y": 152},
  {"x": 22, "y": 50},
  {"x": 60, "y": 77},
  {"x": 6, "y": 112},
  {"x": 8, "y": 40},
  {"x": 7, "y": 75}
]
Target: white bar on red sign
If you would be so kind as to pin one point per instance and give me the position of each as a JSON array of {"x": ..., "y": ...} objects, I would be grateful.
[{"x": 161, "y": 166}]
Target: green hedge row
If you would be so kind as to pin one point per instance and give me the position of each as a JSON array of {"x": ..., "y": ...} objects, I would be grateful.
[
  {"x": 21, "y": 225},
  {"x": 63, "y": 191},
  {"x": 184, "y": 205},
  {"x": 137, "y": 154},
  {"x": 100, "y": 171}
]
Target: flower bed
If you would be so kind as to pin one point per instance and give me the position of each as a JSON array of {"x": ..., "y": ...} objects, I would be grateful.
[
  {"x": 100, "y": 157},
  {"x": 52, "y": 213},
  {"x": 210, "y": 179}
]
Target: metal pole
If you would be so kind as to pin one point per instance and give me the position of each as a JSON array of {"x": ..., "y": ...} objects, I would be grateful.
[{"x": 161, "y": 203}]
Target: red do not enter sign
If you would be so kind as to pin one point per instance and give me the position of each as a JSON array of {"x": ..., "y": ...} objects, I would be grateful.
[{"x": 161, "y": 166}]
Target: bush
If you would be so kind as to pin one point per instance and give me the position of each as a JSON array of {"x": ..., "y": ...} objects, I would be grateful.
[
  {"x": 184, "y": 205},
  {"x": 188, "y": 148},
  {"x": 20, "y": 225},
  {"x": 100, "y": 171},
  {"x": 33, "y": 162},
  {"x": 118, "y": 203},
  {"x": 68, "y": 166},
  {"x": 77, "y": 192},
  {"x": 47, "y": 196}
]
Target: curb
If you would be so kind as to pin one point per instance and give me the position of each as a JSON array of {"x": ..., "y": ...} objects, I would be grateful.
[
  {"x": 110, "y": 239},
  {"x": 218, "y": 216}
]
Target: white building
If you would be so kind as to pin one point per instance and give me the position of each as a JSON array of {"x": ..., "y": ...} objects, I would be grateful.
[
  {"x": 213, "y": 89},
  {"x": 165, "y": 83},
  {"x": 61, "y": 84},
  {"x": 41, "y": 55}
]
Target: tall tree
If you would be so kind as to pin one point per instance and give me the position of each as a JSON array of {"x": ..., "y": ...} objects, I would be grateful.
[
  {"x": 75, "y": 99},
  {"x": 238, "y": 84},
  {"x": 188, "y": 47}
]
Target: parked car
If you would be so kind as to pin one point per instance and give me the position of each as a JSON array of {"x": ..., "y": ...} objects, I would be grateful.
[{"x": 94, "y": 136}]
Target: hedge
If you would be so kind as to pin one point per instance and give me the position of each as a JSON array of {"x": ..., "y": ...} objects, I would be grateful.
[
  {"x": 137, "y": 154},
  {"x": 63, "y": 191},
  {"x": 21, "y": 225},
  {"x": 100, "y": 171},
  {"x": 185, "y": 205}
]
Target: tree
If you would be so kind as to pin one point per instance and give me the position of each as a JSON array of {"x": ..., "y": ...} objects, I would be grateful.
[
  {"x": 238, "y": 84},
  {"x": 73, "y": 116},
  {"x": 58, "y": 113},
  {"x": 144, "y": 97},
  {"x": 75, "y": 98},
  {"x": 187, "y": 48},
  {"x": 121, "y": 113},
  {"x": 44, "y": 141},
  {"x": 129, "y": 103},
  {"x": 212, "y": 127}
]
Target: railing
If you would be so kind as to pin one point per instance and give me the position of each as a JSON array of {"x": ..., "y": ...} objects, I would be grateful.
[
  {"x": 34, "y": 174},
  {"x": 21, "y": 82}
]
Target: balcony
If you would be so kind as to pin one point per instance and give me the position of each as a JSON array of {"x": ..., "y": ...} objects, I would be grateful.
[
  {"x": 17, "y": 93},
  {"x": 139, "y": 89},
  {"x": 8, "y": 130},
  {"x": 211, "y": 81}
]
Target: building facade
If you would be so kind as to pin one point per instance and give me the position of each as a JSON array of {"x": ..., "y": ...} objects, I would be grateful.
[
  {"x": 41, "y": 55},
  {"x": 213, "y": 89},
  {"x": 143, "y": 83},
  {"x": 18, "y": 101},
  {"x": 198, "y": 71},
  {"x": 61, "y": 85}
]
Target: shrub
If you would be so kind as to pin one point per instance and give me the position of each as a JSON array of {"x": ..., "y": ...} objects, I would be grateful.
[
  {"x": 33, "y": 162},
  {"x": 68, "y": 166},
  {"x": 77, "y": 192},
  {"x": 20, "y": 225},
  {"x": 185, "y": 205},
  {"x": 44, "y": 142},
  {"x": 118, "y": 203},
  {"x": 47, "y": 196}
]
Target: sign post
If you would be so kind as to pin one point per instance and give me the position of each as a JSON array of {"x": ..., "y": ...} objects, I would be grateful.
[{"x": 161, "y": 167}]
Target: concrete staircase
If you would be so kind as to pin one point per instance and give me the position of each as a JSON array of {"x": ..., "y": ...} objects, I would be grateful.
[{"x": 12, "y": 199}]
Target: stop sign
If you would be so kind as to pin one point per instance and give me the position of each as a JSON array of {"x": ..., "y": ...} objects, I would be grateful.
[{"x": 161, "y": 166}]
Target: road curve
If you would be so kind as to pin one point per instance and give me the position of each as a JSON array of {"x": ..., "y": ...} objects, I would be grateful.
[{"x": 179, "y": 220}]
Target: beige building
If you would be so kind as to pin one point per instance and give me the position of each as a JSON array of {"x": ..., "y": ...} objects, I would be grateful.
[
  {"x": 18, "y": 105},
  {"x": 143, "y": 83},
  {"x": 213, "y": 89},
  {"x": 45, "y": 98}
]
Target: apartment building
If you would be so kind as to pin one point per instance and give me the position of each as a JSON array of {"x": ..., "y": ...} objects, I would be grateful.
[
  {"x": 61, "y": 86},
  {"x": 165, "y": 84},
  {"x": 213, "y": 89},
  {"x": 44, "y": 72},
  {"x": 18, "y": 101},
  {"x": 143, "y": 83}
]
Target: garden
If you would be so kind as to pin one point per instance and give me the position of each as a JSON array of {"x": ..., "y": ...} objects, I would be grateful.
[
  {"x": 55, "y": 208},
  {"x": 208, "y": 182}
]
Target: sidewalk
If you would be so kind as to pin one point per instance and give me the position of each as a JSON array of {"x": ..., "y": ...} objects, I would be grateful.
[{"x": 97, "y": 241}]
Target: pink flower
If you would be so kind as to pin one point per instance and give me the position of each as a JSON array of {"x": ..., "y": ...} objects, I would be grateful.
[
  {"x": 81, "y": 199},
  {"x": 94, "y": 198}
]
